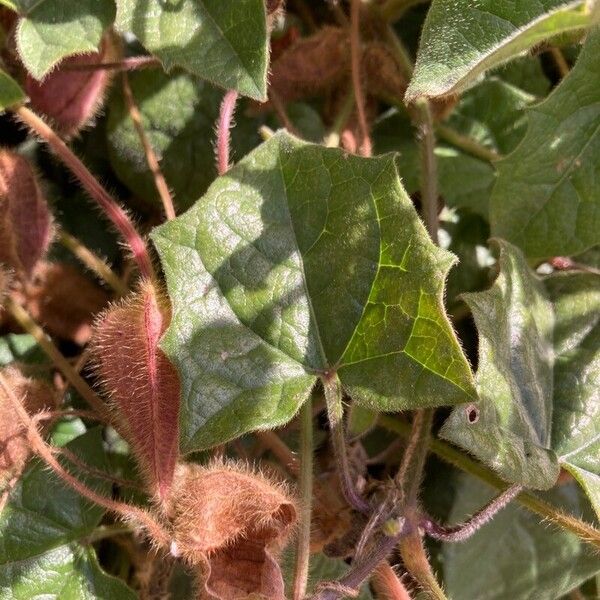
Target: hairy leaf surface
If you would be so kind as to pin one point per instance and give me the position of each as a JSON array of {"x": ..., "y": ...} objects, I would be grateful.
[
  {"x": 528, "y": 558},
  {"x": 538, "y": 377},
  {"x": 224, "y": 42},
  {"x": 49, "y": 30},
  {"x": 300, "y": 260},
  {"x": 547, "y": 197},
  {"x": 463, "y": 39}
]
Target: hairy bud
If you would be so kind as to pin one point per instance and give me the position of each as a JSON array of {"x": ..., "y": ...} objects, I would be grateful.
[
  {"x": 63, "y": 300},
  {"x": 231, "y": 523},
  {"x": 311, "y": 65},
  {"x": 14, "y": 447},
  {"x": 25, "y": 220},
  {"x": 384, "y": 76},
  {"x": 71, "y": 95},
  {"x": 143, "y": 385}
]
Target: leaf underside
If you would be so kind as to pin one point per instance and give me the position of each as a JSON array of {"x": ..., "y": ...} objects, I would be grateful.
[{"x": 300, "y": 260}]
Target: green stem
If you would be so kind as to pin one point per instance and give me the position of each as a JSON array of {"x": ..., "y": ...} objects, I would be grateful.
[
  {"x": 306, "y": 492},
  {"x": 107, "y": 531},
  {"x": 335, "y": 413},
  {"x": 429, "y": 188},
  {"x": 467, "y": 144},
  {"x": 528, "y": 500}
]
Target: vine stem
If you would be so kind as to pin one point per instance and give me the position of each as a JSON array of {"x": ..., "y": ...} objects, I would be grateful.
[
  {"x": 467, "y": 144},
  {"x": 92, "y": 262},
  {"x": 429, "y": 188},
  {"x": 114, "y": 212},
  {"x": 355, "y": 55},
  {"x": 417, "y": 564},
  {"x": 560, "y": 61},
  {"x": 526, "y": 499},
  {"x": 463, "y": 531},
  {"x": 335, "y": 413},
  {"x": 306, "y": 492},
  {"x": 156, "y": 531},
  {"x": 159, "y": 179},
  {"x": 387, "y": 585},
  {"x": 224, "y": 125},
  {"x": 106, "y": 531},
  {"x": 30, "y": 326}
]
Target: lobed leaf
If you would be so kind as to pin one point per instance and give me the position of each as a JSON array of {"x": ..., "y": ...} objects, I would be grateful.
[
  {"x": 224, "y": 42},
  {"x": 462, "y": 39},
  {"x": 50, "y": 30},
  {"x": 302, "y": 259},
  {"x": 547, "y": 197}
]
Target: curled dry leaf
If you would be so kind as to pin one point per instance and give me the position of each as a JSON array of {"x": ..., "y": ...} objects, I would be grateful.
[
  {"x": 142, "y": 384},
  {"x": 62, "y": 300},
  {"x": 72, "y": 95},
  {"x": 311, "y": 65},
  {"x": 25, "y": 220},
  {"x": 14, "y": 447},
  {"x": 231, "y": 523}
]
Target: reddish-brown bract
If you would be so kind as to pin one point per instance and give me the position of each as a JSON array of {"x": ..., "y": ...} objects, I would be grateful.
[
  {"x": 36, "y": 396},
  {"x": 142, "y": 384},
  {"x": 71, "y": 95},
  {"x": 25, "y": 221},
  {"x": 231, "y": 523}
]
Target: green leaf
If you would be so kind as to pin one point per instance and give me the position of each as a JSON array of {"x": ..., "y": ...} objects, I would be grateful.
[
  {"x": 40, "y": 530},
  {"x": 11, "y": 93},
  {"x": 510, "y": 428},
  {"x": 576, "y": 431},
  {"x": 178, "y": 114},
  {"x": 300, "y": 260},
  {"x": 224, "y": 42},
  {"x": 69, "y": 572},
  {"x": 462, "y": 39},
  {"x": 50, "y": 30},
  {"x": 547, "y": 197},
  {"x": 515, "y": 555},
  {"x": 556, "y": 396}
]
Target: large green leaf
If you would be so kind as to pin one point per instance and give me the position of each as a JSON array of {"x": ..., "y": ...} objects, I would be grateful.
[
  {"x": 515, "y": 555},
  {"x": 50, "y": 30},
  {"x": 40, "y": 530},
  {"x": 302, "y": 260},
  {"x": 179, "y": 114},
  {"x": 517, "y": 329},
  {"x": 510, "y": 428},
  {"x": 462, "y": 39},
  {"x": 547, "y": 197},
  {"x": 11, "y": 93},
  {"x": 576, "y": 431},
  {"x": 224, "y": 42}
]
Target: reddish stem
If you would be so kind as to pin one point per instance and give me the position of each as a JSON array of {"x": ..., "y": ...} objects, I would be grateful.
[
  {"x": 127, "y": 64},
  {"x": 387, "y": 585},
  {"x": 224, "y": 125},
  {"x": 114, "y": 212},
  {"x": 355, "y": 52}
]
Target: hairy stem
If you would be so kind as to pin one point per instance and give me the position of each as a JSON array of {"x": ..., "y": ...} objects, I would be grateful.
[
  {"x": 451, "y": 455},
  {"x": 30, "y": 326},
  {"x": 335, "y": 413},
  {"x": 560, "y": 61},
  {"x": 429, "y": 186},
  {"x": 387, "y": 584},
  {"x": 39, "y": 447},
  {"x": 275, "y": 444},
  {"x": 463, "y": 531},
  {"x": 159, "y": 179},
  {"x": 365, "y": 147},
  {"x": 113, "y": 211},
  {"x": 92, "y": 262},
  {"x": 127, "y": 64},
  {"x": 417, "y": 564},
  {"x": 224, "y": 125},
  {"x": 306, "y": 492},
  {"x": 106, "y": 531}
]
